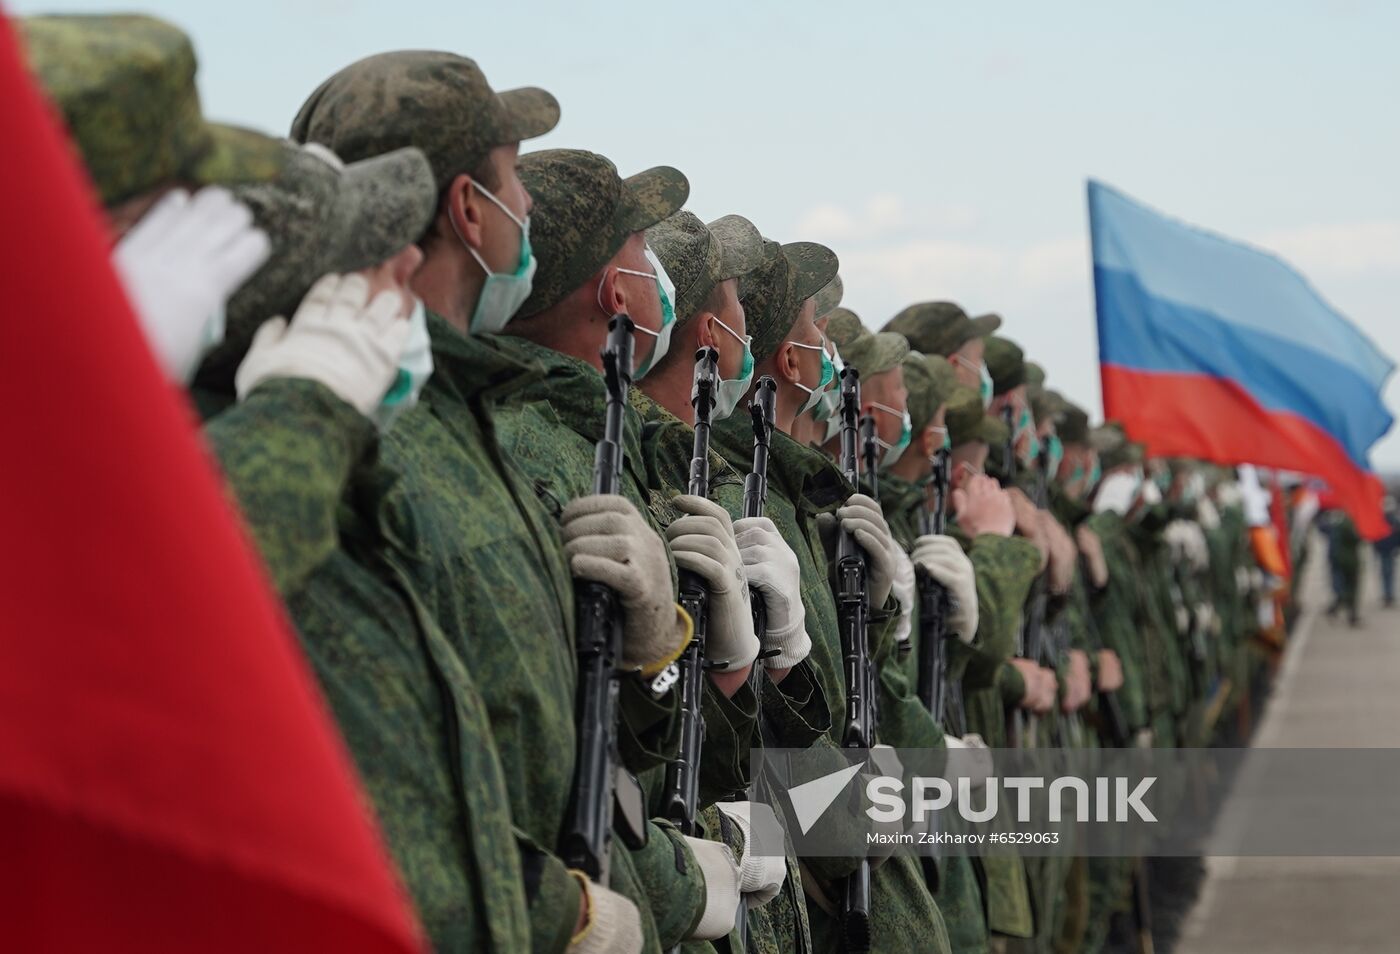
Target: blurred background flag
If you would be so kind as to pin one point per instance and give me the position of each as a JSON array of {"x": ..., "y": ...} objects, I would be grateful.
[
  {"x": 170, "y": 779},
  {"x": 1211, "y": 349}
]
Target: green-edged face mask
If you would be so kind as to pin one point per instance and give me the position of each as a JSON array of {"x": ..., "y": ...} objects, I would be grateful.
[
  {"x": 1054, "y": 455},
  {"x": 814, "y": 395},
  {"x": 895, "y": 451},
  {"x": 825, "y": 409},
  {"x": 729, "y": 392}
]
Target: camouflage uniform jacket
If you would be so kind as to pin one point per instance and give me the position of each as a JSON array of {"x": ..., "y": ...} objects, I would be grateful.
[
  {"x": 1117, "y": 614},
  {"x": 905, "y": 723},
  {"x": 491, "y": 569},
  {"x": 303, "y": 466},
  {"x": 551, "y": 434},
  {"x": 802, "y": 484},
  {"x": 794, "y": 713}
]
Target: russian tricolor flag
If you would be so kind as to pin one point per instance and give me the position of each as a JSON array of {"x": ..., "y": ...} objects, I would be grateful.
[{"x": 1213, "y": 350}]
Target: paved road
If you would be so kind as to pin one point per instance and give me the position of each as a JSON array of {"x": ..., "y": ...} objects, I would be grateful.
[{"x": 1339, "y": 687}]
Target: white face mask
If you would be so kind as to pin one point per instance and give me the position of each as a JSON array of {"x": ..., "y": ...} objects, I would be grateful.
[
  {"x": 503, "y": 293},
  {"x": 1117, "y": 492},
  {"x": 895, "y": 451},
  {"x": 825, "y": 409},
  {"x": 814, "y": 395},
  {"x": 666, "y": 290},
  {"x": 729, "y": 392},
  {"x": 415, "y": 368}
]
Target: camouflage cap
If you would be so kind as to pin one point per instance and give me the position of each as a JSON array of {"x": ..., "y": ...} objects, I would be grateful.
[
  {"x": 873, "y": 353},
  {"x": 125, "y": 86},
  {"x": 1006, "y": 363},
  {"x": 943, "y": 378},
  {"x": 585, "y": 212},
  {"x": 698, "y": 256},
  {"x": 844, "y": 326},
  {"x": 439, "y": 102},
  {"x": 829, "y": 297},
  {"x": 773, "y": 293},
  {"x": 1114, "y": 447},
  {"x": 1073, "y": 423},
  {"x": 968, "y": 421},
  {"x": 740, "y": 246},
  {"x": 322, "y": 216},
  {"x": 940, "y": 327},
  {"x": 1035, "y": 375},
  {"x": 918, "y": 381}
]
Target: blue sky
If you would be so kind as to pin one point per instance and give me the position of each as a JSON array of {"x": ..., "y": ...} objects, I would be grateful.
[{"x": 940, "y": 148}]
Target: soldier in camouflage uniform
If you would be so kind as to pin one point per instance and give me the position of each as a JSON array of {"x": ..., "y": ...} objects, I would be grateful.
[
  {"x": 804, "y": 485},
  {"x": 707, "y": 262},
  {"x": 1005, "y": 566},
  {"x": 595, "y": 263},
  {"x": 486, "y": 558}
]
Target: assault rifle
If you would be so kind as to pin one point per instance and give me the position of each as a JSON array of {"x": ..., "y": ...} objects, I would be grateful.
[
  {"x": 682, "y": 785},
  {"x": 852, "y": 610},
  {"x": 935, "y": 691},
  {"x": 604, "y": 794}
]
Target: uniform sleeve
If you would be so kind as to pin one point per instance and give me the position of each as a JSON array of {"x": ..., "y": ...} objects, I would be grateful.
[
  {"x": 731, "y": 732},
  {"x": 287, "y": 452},
  {"x": 795, "y": 713},
  {"x": 1005, "y": 568}
]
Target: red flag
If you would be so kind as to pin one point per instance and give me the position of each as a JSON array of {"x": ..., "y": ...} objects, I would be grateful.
[{"x": 169, "y": 776}]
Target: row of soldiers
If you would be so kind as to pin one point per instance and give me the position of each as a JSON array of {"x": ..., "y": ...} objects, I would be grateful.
[{"x": 479, "y": 408}]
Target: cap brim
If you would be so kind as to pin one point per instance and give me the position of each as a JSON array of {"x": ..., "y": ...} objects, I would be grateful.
[
  {"x": 889, "y": 351},
  {"x": 829, "y": 298},
  {"x": 991, "y": 431},
  {"x": 984, "y": 325},
  {"x": 656, "y": 194},
  {"x": 740, "y": 246},
  {"x": 238, "y": 155},
  {"x": 384, "y": 205},
  {"x": 813, "y": 266},
  {"x": 533, "y": 111}
]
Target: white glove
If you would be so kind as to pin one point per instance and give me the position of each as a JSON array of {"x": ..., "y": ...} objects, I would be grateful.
[
  {"x": 607, "y": 541},
  {"x": 861, "y": 517},
  {"x": 763, "y": 867},
  {"x": 903, "y": 590},
  {"x": 180, "y": 265},
  {"x": 614, "y": 925},
  {"x": 772, "y": 569},
  {"x": 703, "y": 542},
  {"x": 721, "y": 873},
  {"x": 338, "y": 337},
  {"x": 970, "y": 759},
  {"x": 943, "y": 559}
]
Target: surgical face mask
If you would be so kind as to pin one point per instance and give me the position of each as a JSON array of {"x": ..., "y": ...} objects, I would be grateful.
[
  {"x": 828, "y": 375},
  {"x": 666, "y": 289},
  {"x": 728, "y": 393},
  {"x": 984, "y": 378},
  {"x": 1117, "y": 493},
  {"x": 502, "y": 293},
  {"x": 1025, "y": 423},
  {"x": 825, "y": 409},
  {"x": 947, "y": 442},
  {"x": 971, "y": 471},
  {"x": 415, "y": 367},
  {"x": 1054, "y": 455},
  {"x": 1095, "y": 475},
  {"x": 895, "y": 451}
]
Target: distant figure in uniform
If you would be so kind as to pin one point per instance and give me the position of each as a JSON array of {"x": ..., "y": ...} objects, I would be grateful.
[
  {"x": 1344, "y": 554},
  {"x": 1386, "y": 548}
]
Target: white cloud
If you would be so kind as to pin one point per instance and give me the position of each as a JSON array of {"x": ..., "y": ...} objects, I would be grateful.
[
  {"x": 878, "y": 218},
  {"x": 1345, "y": 249}
]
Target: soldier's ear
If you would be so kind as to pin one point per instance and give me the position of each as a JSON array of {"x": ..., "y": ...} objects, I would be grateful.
[
  {"x": 463, "y": 212},
  {"x": 612, "y": 295},
  {"x": 785, "y": 363},
  {"x": 704, "y": 330}
]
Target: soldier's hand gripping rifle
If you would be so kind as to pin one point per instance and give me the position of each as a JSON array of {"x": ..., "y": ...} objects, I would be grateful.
[
  {"x": 935, "y": 605},
  {"x": 603, "y": 793},
  {"x": 852, "y": 609},
  {"x": 682, "y": 786}
]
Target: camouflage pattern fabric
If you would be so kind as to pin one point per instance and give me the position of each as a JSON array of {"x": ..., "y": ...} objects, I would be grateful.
[
  {"x": 321, "y": 216},
  {"x": 125, "y": 87},
  {"x": 699, "y": 257},
  {"x": 828, "y": 297},
  {"x": 804, "y": 483},
  {"x": 301, "y": 464},
  {"x": 940, "y": 327},
  {"x": 1006, "y": 363},
  {"x": 584, "y": 213},
  {"x": 773, "y": 293},
  {"x": 438, "y": 102}
]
